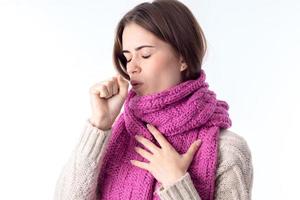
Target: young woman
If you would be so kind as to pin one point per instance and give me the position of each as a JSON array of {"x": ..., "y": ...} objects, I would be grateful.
[{"x": 171, "y": 141}]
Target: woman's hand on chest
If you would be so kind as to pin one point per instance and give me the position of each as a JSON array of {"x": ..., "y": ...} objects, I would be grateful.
[{"x": 165, "y": 163}]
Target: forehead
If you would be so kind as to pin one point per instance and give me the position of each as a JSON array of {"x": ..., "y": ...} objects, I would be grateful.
[{"x": 135, "y": 35}]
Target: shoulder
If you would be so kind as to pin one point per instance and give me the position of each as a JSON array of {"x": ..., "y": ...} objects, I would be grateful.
[
  {"x": 233, "y": 151},
  {"x": 234, "y": 176},
  {"x": 233, "y": 144}
]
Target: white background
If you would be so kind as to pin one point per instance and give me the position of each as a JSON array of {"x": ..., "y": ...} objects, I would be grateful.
[{"x": 51, "y": 52}]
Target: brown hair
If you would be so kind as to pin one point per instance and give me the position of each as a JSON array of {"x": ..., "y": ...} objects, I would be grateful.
[{"x": 171, "y": 21}]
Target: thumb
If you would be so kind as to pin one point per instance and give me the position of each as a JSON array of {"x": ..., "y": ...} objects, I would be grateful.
[
  {"x": 189, "y": 155},
  {"x": 123, "y": 85}
]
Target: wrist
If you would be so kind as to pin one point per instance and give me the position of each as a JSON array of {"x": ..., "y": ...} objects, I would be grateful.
[
  {"x": 93, "y": 122},
  {"x": 175, "y": 178},
  {"x": 96, "y": 124}
]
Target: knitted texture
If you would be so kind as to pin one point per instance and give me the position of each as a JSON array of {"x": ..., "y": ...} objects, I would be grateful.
[{"x": 183, "y": 113}]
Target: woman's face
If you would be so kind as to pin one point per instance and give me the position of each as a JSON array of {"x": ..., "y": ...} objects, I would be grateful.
[{"x": 150, "y": 60}]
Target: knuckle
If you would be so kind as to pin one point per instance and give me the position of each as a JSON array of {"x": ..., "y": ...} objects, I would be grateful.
[
  {"x": 110, "y": 84},
  {"x": 102, "y": 87},
  {"x": 137, "y": 149}
]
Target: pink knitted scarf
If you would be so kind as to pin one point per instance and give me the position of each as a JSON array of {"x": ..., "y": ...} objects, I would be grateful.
[{"x": 182, "y": 113}]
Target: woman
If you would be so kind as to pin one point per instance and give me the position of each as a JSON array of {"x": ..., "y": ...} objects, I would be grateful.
[{"x": 172, "y": 139}]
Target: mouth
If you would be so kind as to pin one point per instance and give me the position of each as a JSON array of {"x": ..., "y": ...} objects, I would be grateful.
[{"x": 136, "y": 85}]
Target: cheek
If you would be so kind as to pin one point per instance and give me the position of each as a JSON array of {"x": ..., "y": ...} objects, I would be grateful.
[
  {"x": 159, "y": 65},
  {"x": 152, "y": 69},
  {"x": 160, "y": 73},
  {"x": 157, "y": 79}
]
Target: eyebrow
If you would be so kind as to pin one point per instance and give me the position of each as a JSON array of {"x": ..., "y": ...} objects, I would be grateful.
[{"x": 138, "y": 48}]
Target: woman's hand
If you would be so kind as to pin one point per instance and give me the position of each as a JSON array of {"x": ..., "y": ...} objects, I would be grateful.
[
  {"x": 107, "y": 98},
  {"x": 165, "y": 163}
]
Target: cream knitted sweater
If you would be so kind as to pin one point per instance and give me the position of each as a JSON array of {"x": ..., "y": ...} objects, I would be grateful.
[{"x": 78, "y": 179}]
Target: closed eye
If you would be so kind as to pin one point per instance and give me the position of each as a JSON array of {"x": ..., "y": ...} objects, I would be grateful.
[{"x": 145, "y": 57}]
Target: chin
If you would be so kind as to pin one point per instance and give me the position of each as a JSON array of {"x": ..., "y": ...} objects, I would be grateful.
[
  {"x": 139, "y": 93},
  {"x": 147, "y": 93}
]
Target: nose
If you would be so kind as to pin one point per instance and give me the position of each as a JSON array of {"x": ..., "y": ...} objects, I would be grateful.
[{"x": 133, "y": 66}]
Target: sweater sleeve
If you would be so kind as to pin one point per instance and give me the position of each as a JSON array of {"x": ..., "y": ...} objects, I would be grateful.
[
  {"x": 78, "y": 178},
  {"x": 182, "y": 189},
  {"x": 235, "y": 171},
  {"x": 234, "y": 174}
]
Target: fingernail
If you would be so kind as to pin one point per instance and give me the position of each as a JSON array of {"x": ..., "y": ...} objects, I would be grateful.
[
  {"x": 198, "y": 142},
  {"x": 148, "y": 125}
]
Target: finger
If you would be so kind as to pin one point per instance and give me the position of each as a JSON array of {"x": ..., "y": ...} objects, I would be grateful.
[
  {"x": 109, "y": 87},
  {"x": 94, "y": 90},
  {"x": 140, "y": 164},
  {"x": 163, "y": 142},
  {"x": 99, "y": 90},
  {"x": 123, "y": 85},
  {"x": 103, "y": 91},
  {"x": 143, "y": 153},
  {"x": 147, "y": 143},
  {"x": 189, "y": 155},
  {"x": 121, "y": 79},
  {"x": 115, "y": 86}
]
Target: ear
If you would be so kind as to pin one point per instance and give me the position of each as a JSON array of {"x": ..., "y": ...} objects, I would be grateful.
[{"x": 183, "y": 65}]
